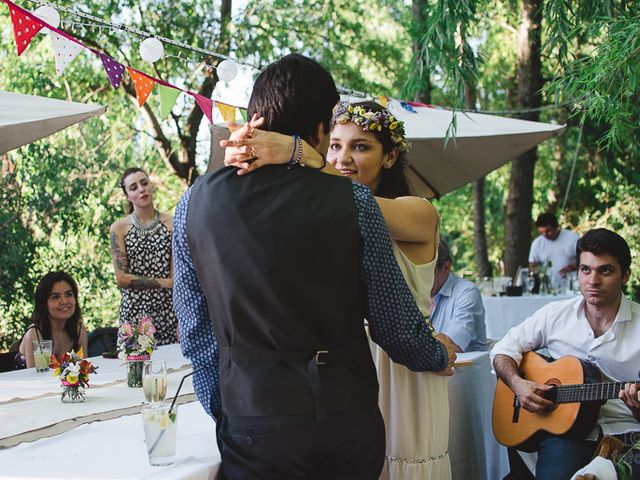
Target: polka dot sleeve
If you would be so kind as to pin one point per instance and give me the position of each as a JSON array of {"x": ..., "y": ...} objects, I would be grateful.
[
  {"x": 197, "y": 339},
  {"x": 395, "y": 322}
]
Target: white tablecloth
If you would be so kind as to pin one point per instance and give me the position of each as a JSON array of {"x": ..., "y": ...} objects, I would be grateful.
[
  {"x": 474, "y": 452},
  {"x": 29, "y": 384},
  {"x": 502, "y": 313},
  {"x": 115, "y": 449}
]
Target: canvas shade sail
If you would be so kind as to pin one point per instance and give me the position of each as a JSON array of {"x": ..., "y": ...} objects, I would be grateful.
[
  {"x": 26, "y": 118},
  {"x": 482, "y": 143}
]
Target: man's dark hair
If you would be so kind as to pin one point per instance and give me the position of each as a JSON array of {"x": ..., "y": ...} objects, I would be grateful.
[
  {"x": 294, "y": 94},
  {"x": 547, "y": 220},
  {"x": 601, "y": 241},
  {"x": 444, "y": 254}
]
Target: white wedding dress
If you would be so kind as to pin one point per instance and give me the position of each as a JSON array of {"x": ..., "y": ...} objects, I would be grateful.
[{"x": 415, "y": 405}]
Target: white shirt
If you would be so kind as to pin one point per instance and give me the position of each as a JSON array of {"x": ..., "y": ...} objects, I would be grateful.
[
  {"x": 563, "y": 329},
  {"x": 560, "y": 252}
]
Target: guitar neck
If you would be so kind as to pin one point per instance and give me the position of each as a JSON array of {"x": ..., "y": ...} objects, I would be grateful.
[{"x": 588, "y": 392}]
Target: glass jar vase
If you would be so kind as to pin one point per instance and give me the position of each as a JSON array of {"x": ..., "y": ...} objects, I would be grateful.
[
  {"x": 72, "y": 394},
  {"x": 135, "y": 365}
]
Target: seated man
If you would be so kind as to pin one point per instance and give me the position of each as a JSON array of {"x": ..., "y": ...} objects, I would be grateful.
[
  {"x": 456, "y": 306},
  {"x": 555, "y": 245},
  {"x": 601, "y": 327}
]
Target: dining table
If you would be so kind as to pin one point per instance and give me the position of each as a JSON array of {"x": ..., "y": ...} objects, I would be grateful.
[
  {"x": 503, "y": 312},
  {"x": 103, "y": 437}
]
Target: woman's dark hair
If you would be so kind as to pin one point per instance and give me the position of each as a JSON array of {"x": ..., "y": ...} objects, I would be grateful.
[
  {"x": 601, "y": 241},
  {"x": 40, "y": 316},
  {"x": 393, "y": 181},
  {"x": 125, "y": 174},
  {"x": 294, "y": 94}
]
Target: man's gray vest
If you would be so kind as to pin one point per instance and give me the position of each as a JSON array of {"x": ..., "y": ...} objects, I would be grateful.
[{"x": 277, "y": 254}]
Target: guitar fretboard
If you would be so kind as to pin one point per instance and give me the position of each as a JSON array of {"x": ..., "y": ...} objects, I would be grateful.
[{"x": 588, "y": 392}]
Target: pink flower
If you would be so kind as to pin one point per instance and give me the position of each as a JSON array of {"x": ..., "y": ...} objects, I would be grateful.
[
  {"x": 126, "y": 329},
  {"x": 146, "y": 326}
]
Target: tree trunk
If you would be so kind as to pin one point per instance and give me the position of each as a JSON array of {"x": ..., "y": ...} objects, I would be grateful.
[
  {"x": 423, "y": 91},
  {"x": 517, "y": 231},
  {"x": 479, "y": 231}
]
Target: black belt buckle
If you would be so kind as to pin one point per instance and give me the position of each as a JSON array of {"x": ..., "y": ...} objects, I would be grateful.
[{"x": 322, "y": 357}]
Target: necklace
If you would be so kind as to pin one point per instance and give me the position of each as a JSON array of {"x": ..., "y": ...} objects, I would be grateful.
[{"x": 146, "y": 228}]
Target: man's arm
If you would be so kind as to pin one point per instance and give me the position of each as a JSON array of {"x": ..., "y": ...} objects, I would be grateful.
[
  {"x": 197, "y": 338},
  {"x": 468, "y": 312},
  {"x": 528, "y": 392},
  {"x": 395, "y": 322}
]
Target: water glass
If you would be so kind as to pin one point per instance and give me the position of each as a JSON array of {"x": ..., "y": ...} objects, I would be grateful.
[
  {"x": 154, "y": 380},
  {"x": 160, "y": 432},
  {"x": 42, "y": 354}
]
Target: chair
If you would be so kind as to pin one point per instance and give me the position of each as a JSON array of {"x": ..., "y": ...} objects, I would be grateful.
[{"x": 101, "y": 340}]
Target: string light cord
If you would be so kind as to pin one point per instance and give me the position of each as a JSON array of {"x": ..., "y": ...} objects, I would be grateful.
[{"x": 115, "y": 26}]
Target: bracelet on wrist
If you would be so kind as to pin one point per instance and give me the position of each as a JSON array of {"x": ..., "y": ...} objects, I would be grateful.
[
  {"x": 296, "y": 155},
  {"x": 292, "y": 161}
]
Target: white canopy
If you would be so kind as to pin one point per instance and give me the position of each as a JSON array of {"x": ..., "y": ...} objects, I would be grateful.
[
  {"x": 482, "y": 143},
  {"x": 26, "y": 118}
]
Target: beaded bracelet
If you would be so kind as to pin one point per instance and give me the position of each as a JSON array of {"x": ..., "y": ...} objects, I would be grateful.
[{"x": 296, "y": 155}]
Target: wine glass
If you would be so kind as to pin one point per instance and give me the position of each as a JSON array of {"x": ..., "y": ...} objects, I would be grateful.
[{"x": 154, "y": 380}]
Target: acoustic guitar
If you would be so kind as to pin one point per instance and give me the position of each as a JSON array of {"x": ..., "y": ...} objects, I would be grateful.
[{"x": 577, "y": 396}]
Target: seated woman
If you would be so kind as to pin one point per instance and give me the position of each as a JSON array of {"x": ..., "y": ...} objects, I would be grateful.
[{"x": 56, "y": 317}]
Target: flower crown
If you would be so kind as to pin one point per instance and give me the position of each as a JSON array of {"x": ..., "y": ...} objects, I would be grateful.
[{"x": 373, "y": 121}]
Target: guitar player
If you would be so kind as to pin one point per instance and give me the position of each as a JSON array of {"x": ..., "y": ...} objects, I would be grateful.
[{"x": 601, "y": 327}]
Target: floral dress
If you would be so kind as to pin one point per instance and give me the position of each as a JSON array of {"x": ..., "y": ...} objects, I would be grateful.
[{"x": 149, "y": 255}]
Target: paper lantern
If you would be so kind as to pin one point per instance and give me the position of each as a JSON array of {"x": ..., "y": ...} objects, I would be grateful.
[
  {"x": 49, "y": 15},
  {"x": 151, "y": 50},
  {"x": 227, "y": 70}
]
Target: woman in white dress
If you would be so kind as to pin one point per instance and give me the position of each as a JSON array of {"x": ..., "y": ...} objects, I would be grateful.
[{"x": 369, "y": 145}]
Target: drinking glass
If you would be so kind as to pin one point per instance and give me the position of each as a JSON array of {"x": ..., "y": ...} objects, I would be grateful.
[
  {"x": 42, "y": 354},
  {"x": 160, "y": 432},
  {"x": 154, "y": 380},
  {"x": 530, "y": 283}
]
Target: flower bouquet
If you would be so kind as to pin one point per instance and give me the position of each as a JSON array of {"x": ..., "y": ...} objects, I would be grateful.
[
  {"x": 135, "y": 345},
  {"x": 73, "y": 371}
]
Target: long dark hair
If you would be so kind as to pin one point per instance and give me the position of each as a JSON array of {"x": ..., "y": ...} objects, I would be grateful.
[
  {"x": 125, "y": 174},
  {"x": 40, "y": 317},
  {"x": 393, "y": 181}
]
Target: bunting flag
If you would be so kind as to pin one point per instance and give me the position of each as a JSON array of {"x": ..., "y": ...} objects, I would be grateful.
[
  {"x": 243, "y": 113},
  {"x": 228, "y": 112},
  {"x": 384, "y": 101},
  {"x": 168, "y": 98},
  {"x": 143, "y": 85},
  {"x": 25, "y": 27},
  {"x": 64, "y": 51},
  {"x": 113, "y": 69},
  {"x": 205, "y": 104}
]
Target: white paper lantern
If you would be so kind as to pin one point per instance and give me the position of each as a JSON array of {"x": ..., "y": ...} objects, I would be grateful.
[
  {"x": 227, "y": 70},
  {"x": 151, "y": 50},
  {"x": 48, "y": 14}
]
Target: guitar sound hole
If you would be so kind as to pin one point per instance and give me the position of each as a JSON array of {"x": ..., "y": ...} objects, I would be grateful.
[{"x": 552, "y": 394}]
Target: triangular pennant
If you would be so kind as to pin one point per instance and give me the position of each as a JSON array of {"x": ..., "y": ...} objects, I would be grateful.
[
  {"x": 384, "y": 101},
  {"x": 168, "y": 98},
  {"x": 25, "y": 26},
  {"x": 143, "y": 85},
  {"x": 64, "y": 51},
  {"x": 243, "y": 113},
  {"x": 205, "y": 105},
  {"x": 113, "y": 69},
  {"x": 228, "y": 112}
]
